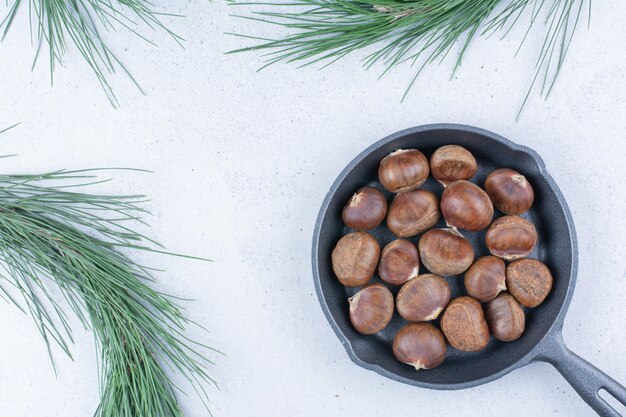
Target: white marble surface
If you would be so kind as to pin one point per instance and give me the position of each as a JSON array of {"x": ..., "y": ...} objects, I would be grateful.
[{"x": 242, "y": 160}]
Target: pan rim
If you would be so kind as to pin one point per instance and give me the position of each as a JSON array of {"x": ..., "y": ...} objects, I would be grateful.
[{"x": 556, "y": 325}]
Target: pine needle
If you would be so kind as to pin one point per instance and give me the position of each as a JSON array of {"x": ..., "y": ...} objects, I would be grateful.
[
  {"x": 57, "y": 23},
  {"x": 51, "y": 233},
  {"x": 417, "y": 32}
]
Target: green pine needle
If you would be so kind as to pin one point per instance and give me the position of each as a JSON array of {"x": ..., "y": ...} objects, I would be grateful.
[
  {"x": 50, "y": 233},
  {"x": 57, "y": 23},
  {"x": 419, "y": 32}
]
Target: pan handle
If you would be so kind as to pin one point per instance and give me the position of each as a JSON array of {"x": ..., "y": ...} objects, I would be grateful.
[{"x": 585, "y": 378}]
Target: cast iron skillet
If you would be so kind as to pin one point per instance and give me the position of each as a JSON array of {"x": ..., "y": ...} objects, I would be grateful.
[{"x": 542, "y": 340}]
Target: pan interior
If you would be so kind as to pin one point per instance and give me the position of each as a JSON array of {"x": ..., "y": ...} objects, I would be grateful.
[{"x": 555, "y": 249}]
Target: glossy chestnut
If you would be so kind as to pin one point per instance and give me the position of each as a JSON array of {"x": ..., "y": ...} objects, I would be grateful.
[
  {"x": 445, "y": 252},
  {"x": 413, "y": 212},
  {"x": 485, "y": 278},
  {"x": 505, "y": 318},
  {"x": 420, "y": 345},
  {"x": 366, "y": 209},
  {"x": 423, "y": 298},
  {"x": 509, "y": 191},
  {"x": 399, "y": 262},
  {"x": 511, "y": 237},
  {"x": 403, "y": 170},
  {"x": 466, "y": 206},
  {"x": 371, "y": 308},
  {"x": 451, "y": 163}
]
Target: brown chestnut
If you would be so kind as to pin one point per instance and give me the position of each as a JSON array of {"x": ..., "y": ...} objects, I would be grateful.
[
  {"x": 399, "y": 262},
  {"x": 466, "y": 206},
  {"x": 485, "y": 278},
  {"x": 463, "y": 323},
  {"x": 509, "y": 191},
  {"x": 423, "y": 298},
  {"x": 413, "y": 212},
  {"x": 354, "y": 258},
  {"x": 420, "y": 345},
  {"x": 366, "y": 209},
  {"x": 403, "y": 170},
  {"x": 445, "y": 252},
  {"x": 505, "y": 318},
  {"x": 529, "y": 280},
  {"x": 511, "y": 237},
  {"x": 451, "y": 163},
  {"x": 371, "y": 308}
]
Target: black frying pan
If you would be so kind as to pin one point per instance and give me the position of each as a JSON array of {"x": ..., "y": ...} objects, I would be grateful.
[{"x": 542, "y": 340}]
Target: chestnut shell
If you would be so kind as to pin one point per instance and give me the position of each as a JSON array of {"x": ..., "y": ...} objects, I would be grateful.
[
  {"x": 505, "y": 318},
  {"x": 423, "y": 298},
  {"x": 451, "y": 163},
  {"x": 463, "y": 323},
  {"x": 413, "y": 212},
  {"x": 371, "y": 308},
  {"x": 485, "y": 278},
  {"x": 420, "y": 345},
  {"x": 511, "y": 237},
  {"x": 403, "y": 170},
  {"x": 509, "y": 191},
  {"x": 366, "y": 209},
  {"x": 466, "y": 206},
  {"x": 399, "y": 262},
  {"x": 355, "y": 258},
  {"x": 445, "y": 252},
  {"x": 529, "y": 280}
]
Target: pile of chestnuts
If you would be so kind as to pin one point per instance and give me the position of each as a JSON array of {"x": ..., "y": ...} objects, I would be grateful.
[{"x": 498, "y": 287}]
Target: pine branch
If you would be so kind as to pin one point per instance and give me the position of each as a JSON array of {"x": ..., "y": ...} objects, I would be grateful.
[
  {"x": 417, "y": 32},
  {"x": 51, "y": 233},
  {"x": 56, "y": 24}
]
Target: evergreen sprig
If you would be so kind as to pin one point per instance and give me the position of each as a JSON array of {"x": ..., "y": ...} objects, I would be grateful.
[
  {"x": 56, "y": 24},
  {"x": 52, "y": 235},
  {"x": 417, "y": 32}
]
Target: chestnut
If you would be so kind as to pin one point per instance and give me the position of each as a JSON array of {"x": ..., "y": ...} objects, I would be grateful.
[
  {"x": 511, "y": 237},
  {"x": 466, "y": 206},
  {"x": 505, "y": 318},
  {"x": 423, "y": 298},
  {"x": 451, "y": 163},
  {"x": 399, "y": 262},
  {"x": 509, "y": 191},
  {"x": 371, "y": 308},
  {"x": 366, "y": 209},
  {"x": 485, "y": 278},
  {"x": 403, "y": 170},
  {"x": 420, "y": 345},
  {"x": 354, "y": 258},
  {"x": 463, "y": 323},
  {"x": 529, "y": 280},
  {"x": 445, "y": 252},
  {"x": 413, "y": 212}
]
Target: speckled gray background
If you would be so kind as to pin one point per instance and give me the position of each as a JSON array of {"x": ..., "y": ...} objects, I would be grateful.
[{"x": 242, "y": 161}]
